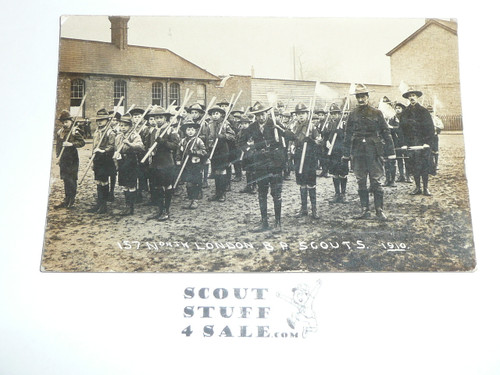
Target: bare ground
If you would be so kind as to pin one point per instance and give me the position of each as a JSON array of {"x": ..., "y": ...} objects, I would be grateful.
[{"x": 423, "y": 233}]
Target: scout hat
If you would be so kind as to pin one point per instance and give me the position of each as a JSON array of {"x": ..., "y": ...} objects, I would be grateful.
[
  {"x": 411, "y": 90},
  {"x": 334, "y": 108},
  {"x": 237, "y": 113},
  {"x": 65, "y": 115},
  {"x": 286, "y": 114},
  {"x": 160, "y": 111},
  {"x": 222, "y": 102},
  {"x": 318, "y": 111},
  {"x": 126, "y": 119},
  {"x": 189, "y": 124},
  {"x": 301, "y": 107},
  {"x": 118, "y": 115},
  {"x": 360, "y": 89},
  {"x": 258, "y": 107},
  {"x": 398, "y": 104},
  {"x": 102, "y": 114},
  {"x": 216, "y": 108},
  {"x": 196, "y": 107},
  {"x": 134, "y": 111}
]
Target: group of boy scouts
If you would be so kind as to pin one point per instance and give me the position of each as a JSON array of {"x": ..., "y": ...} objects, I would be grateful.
[{"x": 157, "y": 149}]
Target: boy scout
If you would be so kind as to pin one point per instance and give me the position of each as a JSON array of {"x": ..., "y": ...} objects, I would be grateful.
[
  {"x": 129, "y": 144},
  {"x": 66, "y": 147},
  {"x": 104, "y": 167}
]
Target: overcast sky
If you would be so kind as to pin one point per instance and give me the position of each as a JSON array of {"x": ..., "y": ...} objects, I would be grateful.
[{"x": 326, "y": 49}]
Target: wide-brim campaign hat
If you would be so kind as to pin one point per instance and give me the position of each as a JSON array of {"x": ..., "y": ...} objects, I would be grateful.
[
  {"x": 411, "y": 90},
  {"x": 258, "y": 107},
  {"x": 126, "y": 119},
  {"x": 216, "y": 109},
  {"x": 318, "y": 111},
  {"x": 65, "y": 115},
  {"x": 102, "y": 114},
  {"x": 300, "y": 107},
  {"x": 189, "y": 124},
  {"x": 196, "y": 107},
  {"x": 116, "y": 115},
  {"x": 359, "y": 88},
  {"x": 334, "y": 108},
  {"x": 135, "y": 111},
  {"x": 286, "y": 114},
  {"x": 237, "y": 113},
  {"x": 160, "y": 111},
  {"x": 222, "y": 102},
  {"x": 398, "y": 104}
]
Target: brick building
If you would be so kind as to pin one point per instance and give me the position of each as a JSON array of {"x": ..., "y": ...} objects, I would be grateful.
[
  {"x": 143, "y": 75},
  {"x": 428, "y": 60}
]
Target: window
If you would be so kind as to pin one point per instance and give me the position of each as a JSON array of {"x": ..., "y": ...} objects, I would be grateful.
[
  {"x": 157, "y": 94},
  {"x": 77, "y": 94},
  {"x": 201, "y": 94},
  {"x": 119, "y": 91},
  {"x": 175, "y": 94}
]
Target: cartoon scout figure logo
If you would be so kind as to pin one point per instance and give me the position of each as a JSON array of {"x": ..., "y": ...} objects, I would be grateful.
[{"x": 302, "y": 299}]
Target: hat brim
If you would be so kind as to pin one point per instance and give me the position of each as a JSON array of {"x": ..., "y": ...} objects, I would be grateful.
[
  {"x": 212, "y": 110},
  {"x": 406, "y": 94},
  {"x": 260, "y": 110},
  {"x": 362, "y": 92},
  {"x": 190, "y": 125}
]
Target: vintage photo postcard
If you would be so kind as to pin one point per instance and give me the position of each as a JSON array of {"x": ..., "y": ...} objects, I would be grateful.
[{"x": 239, "y": 144}]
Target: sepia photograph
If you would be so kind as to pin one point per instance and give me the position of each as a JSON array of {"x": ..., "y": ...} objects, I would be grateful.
[
  {"x": 180, "y": 147},
  {"x": 250, "y": 187}
]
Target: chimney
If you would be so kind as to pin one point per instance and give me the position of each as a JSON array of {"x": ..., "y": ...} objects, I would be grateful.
[{"x": 119, "y": 31}]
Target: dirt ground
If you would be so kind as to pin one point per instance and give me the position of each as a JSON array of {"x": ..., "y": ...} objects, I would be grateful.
[{"x": 422, "y": 234}]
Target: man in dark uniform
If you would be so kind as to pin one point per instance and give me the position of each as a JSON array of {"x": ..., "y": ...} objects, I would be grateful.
[
  {"x": 66, "y": 146},
  {"x": 301, "y": 135},
  {"x": 269, "y": 162},
  {"x": 338, "y": 168},
  {"x": 418, "y": 128},
  {"x": 365, "y": 130},
  {"x": 234, "y": 122},
  {"x": 104, "y": 167}
]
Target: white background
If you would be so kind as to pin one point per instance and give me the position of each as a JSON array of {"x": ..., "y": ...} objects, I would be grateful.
[{"x": 130, "y": 323}]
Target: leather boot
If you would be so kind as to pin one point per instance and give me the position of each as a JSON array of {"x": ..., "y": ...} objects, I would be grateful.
[
  {"x": 378, "y": 198},
  {"x": 102, "y": 196},
  {"x": 364, "y": 197},
  {"x": 277, "y": 215},
  {"x": 312, "y": 196},
  {"x": 303, "y": 201}
]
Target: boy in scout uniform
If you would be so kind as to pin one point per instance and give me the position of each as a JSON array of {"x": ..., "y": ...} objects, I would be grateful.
[
  {"x": 307, "y": 179},
  {"x": 163, "y": 168},
  {"x": 221, "y": 158},
  {"x": 66, "y": 147},
  {"x": 130, "y": 145},
  {"x": 338, "y": 168},
  {"x": 192, "y": 148},
  {"x": 104, "y": 167},
  {"x": 269, "y": 161}
]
